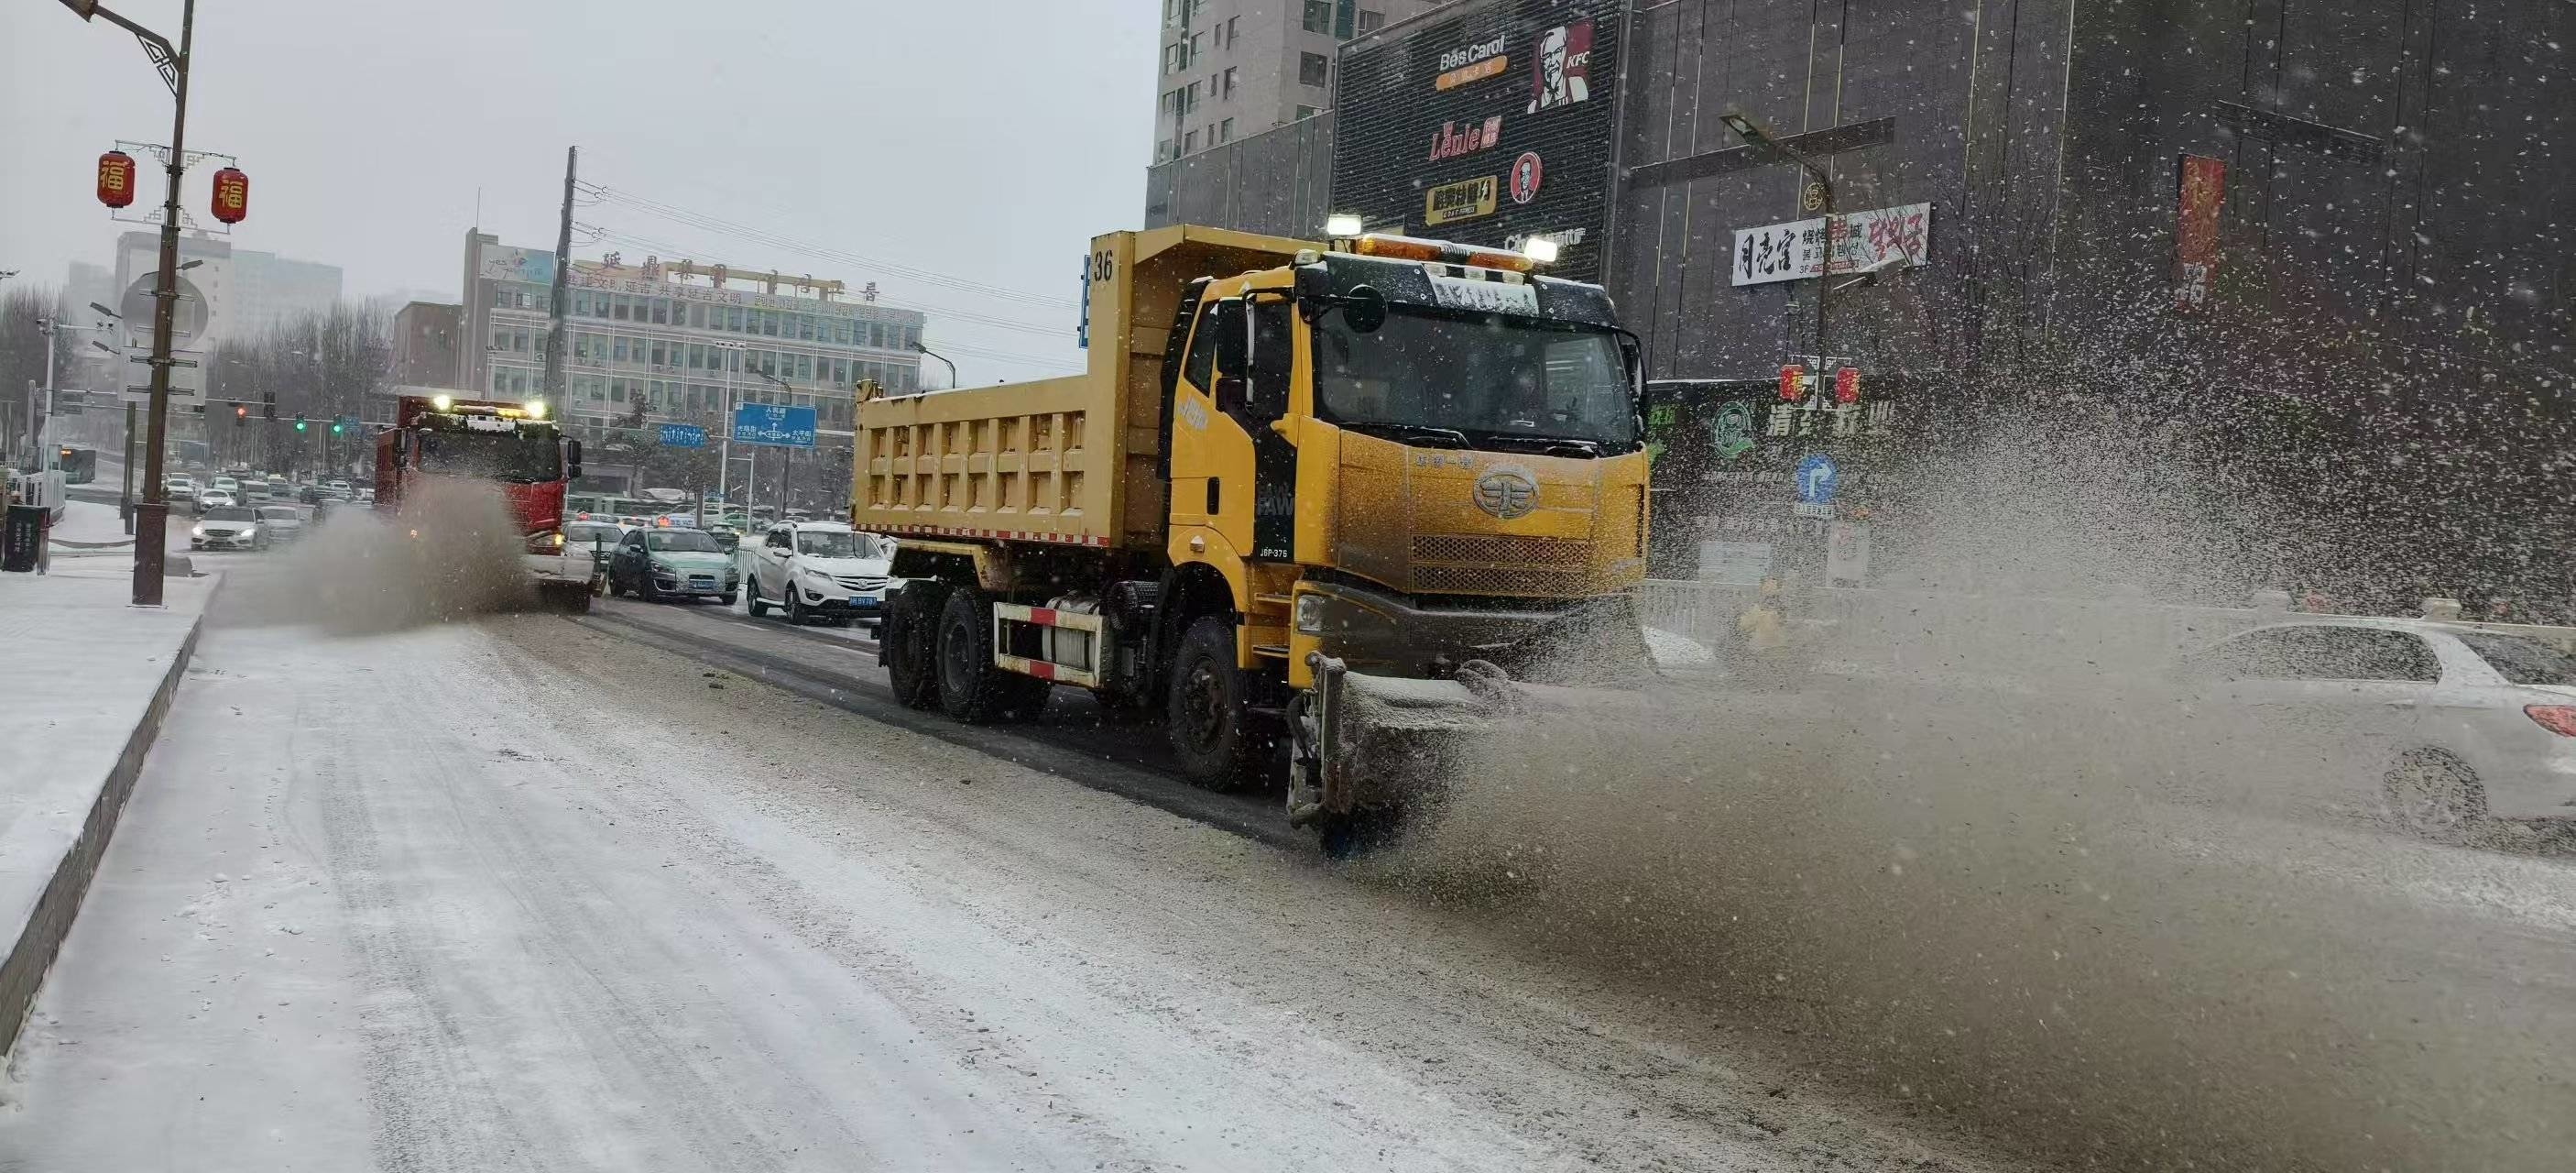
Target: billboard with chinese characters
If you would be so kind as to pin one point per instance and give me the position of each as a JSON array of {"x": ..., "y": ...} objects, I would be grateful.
[
  {"x": 1486, "y": 122},
  {"x": 1738, "y": 469},
  {"x": 501, "y": 262},
  {"x": 1857, "y": 242}
]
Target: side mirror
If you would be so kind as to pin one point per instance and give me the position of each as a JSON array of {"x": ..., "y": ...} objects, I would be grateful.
[
  {"x": 1229, "y": 393},
  {"x": 1365, "y": 308},
  {"x": 572, "y": 460},
  {"x": 402, "y": 444}
]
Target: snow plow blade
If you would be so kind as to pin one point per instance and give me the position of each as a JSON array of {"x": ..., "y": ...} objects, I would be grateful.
[{"x": 1368, "y": 742}]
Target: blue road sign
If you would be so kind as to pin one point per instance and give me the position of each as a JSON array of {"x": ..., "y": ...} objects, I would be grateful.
[
  {"x": 683, "y": 436},
  {"x": 774, "y": 424},
  {"x": 1817, "y": 479}
]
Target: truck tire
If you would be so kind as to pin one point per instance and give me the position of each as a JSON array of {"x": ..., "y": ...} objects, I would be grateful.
[
  {"x": 1221, "y": 744},
  {"x": 909, "y": 643},
  {"x": 971, "y": 689}
]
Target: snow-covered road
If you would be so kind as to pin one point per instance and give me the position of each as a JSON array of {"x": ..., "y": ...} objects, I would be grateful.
[{"x": 517, "y": 894}]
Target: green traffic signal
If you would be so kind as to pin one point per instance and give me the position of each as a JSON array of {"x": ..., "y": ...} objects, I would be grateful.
[
  {"x": 335, "y": 427},
  {"x": 299, "y": 423}
]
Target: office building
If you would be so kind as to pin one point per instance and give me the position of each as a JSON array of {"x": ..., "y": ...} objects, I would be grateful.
[
  {"x": 1235, "y": 68},
  {"x": 676, "y": 342}
]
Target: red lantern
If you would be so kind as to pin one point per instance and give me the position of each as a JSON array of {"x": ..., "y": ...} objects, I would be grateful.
[
  {"x": 1793, "y": 379},
  {"x": 1847, "y": 385},
  {"x": 116, "y": 179},
  {"x": 232, "y": 195}
]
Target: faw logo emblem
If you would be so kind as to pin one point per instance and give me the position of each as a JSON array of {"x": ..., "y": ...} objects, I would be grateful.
[{"x": 1507, "y": 493}]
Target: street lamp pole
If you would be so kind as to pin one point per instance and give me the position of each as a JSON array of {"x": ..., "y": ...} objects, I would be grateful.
[
  {"x": 152, "y": 530},
  {"x": 732, "y": 352},
  {"x": 952, "y": 367},
  {"x": 1758, "y": 139}
]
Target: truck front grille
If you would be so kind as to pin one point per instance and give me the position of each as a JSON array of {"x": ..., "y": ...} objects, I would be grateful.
[{"x": 1502, "y": 564}]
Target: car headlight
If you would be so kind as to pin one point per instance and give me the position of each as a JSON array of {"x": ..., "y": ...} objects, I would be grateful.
[{"x": 199, "y": 531}]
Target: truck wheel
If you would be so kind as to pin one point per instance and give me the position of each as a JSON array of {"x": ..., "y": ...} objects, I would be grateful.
[
  {"x": 971, "y": 689},
  {"x": 910, "y": 642},
  {"x": 1214, "y": 733}
]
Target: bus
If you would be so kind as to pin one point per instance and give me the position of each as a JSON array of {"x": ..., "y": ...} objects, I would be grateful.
[{"x": 79, "y": 465}]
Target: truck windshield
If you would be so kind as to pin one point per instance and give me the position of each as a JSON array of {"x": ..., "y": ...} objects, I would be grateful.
[
  {"x": 497, "y": 456},
  {"x": 1485, "y": 378}
]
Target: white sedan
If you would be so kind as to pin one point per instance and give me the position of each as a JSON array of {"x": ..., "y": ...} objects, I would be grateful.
[
  {"x": 2471, "y": 724},
  {"x": 817, "y": 569}
]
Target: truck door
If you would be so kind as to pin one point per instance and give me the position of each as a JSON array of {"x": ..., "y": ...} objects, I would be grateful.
[{"x": 1270, "y": 368}]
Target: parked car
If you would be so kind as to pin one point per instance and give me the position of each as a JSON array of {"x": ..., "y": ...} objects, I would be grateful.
[
  {"x": 2471, "y": 724},
  {"x": 818, "y": 569},
  {"x": 284, "y": 523},
  {"x": 656, "y": 564},
  {"x": 228, "y": 527}
]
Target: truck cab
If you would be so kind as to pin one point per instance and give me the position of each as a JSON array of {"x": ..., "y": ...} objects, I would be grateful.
[{"x": 512, "y": 450}]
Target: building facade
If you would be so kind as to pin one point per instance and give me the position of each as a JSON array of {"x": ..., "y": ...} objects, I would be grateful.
[
  {"x": 428, "y": 339},
  {"x": 1231, "y": 69},
  {"x": 677, "y": 343}
]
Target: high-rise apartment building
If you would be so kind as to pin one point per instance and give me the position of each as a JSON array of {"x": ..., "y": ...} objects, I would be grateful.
[{"x": 1233, "y": 68}]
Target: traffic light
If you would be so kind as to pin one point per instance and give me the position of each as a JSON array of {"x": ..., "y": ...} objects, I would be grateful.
[
  {"x": 335, "y": 427},
  {"x": 299, "y": 421},
  {"x": 268, "y": 405},
  {"x": 241, "y": 414}
]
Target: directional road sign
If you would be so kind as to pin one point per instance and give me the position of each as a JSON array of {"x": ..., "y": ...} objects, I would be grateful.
[{"x": 774, "y": 424}]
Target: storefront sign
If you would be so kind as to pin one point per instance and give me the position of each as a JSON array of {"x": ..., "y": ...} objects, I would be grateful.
[
  {"x": 1474, "y": 63},
  {"x": 1859, "y": 242},
  {"x": 1464, "y": 200},
  {"x": 1527, "y": 171},
  {"x": 1450, "y": 142}
]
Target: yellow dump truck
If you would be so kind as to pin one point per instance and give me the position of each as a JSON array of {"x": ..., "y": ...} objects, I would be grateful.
[{"x": 1326, "y": 507}]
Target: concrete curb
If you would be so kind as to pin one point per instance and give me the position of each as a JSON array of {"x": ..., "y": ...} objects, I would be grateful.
[{"x": 22, "y": 973}]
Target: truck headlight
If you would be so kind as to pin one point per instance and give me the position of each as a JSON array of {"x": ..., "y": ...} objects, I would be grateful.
[{"x": 1310, "y": 614}]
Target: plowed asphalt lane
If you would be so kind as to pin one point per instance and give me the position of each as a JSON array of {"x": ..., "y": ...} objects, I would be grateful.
[{"x": 520, "y": 894}]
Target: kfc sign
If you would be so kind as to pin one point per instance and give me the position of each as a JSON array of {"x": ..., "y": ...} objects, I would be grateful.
[{"x": 1562, "y": 74}]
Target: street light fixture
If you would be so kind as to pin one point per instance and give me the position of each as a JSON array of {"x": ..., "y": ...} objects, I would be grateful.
[
  {"x": 152, "y": 530},
  {"x": 952, "y": 367},
  {"x": 109, "y": 312}
]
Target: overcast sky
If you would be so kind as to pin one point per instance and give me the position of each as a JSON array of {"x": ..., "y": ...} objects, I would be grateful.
[{"x": 984, "y": 140}]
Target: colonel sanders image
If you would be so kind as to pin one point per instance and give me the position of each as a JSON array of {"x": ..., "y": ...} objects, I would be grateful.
[{"x": 1564, "y": 65}]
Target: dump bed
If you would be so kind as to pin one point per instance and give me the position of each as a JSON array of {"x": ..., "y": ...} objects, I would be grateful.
[{"x": 1064, "y": 461}]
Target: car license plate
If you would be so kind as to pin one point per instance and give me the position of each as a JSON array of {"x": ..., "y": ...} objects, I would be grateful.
[{"x": 862, "y": 603}]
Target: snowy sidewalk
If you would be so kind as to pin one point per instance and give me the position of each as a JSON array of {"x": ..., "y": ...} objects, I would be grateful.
[{"x": 84, "y": 681}]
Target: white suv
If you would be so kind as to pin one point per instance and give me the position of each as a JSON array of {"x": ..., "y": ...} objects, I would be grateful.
[{"x": 817, "y": 569}]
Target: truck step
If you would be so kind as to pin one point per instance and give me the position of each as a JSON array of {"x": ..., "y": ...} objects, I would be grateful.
[{"x": 1278, "y": 650}]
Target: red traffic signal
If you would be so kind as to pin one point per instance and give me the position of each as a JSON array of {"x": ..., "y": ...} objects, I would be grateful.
[
  {"x": 116, "y": 179},
  {"x": 1793, "y": 378},
  {"x": 1847, "y": 385},
  {"x": 232, "y": 195}
]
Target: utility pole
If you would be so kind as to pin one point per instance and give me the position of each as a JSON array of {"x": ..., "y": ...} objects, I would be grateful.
[{"x": 554, "y": 376}]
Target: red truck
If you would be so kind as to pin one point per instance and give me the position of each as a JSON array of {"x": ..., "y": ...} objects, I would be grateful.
[{"x": 511, "y": 447}]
